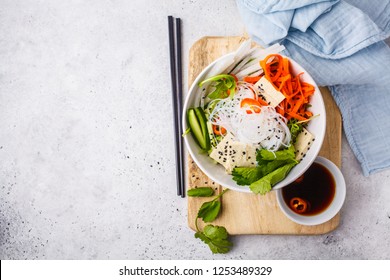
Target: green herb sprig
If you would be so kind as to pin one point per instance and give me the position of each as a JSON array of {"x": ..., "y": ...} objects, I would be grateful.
[
  {"x": 216, "y": 237},
  {"x": 272, "y": 167},
  {"x": 224, "y": 86}
]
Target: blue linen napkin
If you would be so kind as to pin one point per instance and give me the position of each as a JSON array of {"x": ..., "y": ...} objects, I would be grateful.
[{"x": 340, "y": 43}]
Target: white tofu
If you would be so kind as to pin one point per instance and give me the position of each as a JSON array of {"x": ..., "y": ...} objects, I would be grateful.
[
  {"x": 303, "y": 144},
  {"x": 236, "y": 156},
  {"x": 219, "y": 154},
  {"x": 251, "y": 155},
  {"x": 266, "y": 90},
  {"x": 230, "y": 154},
  {"x": 242, "y": 155}
]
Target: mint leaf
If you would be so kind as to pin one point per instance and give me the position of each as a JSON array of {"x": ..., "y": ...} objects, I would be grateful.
[
  {"x": 201, "y": 192},
  {"x": 216, "y": 237},
  {"x": 265, "y": 184},
  {"x": 209, "y": 210}
]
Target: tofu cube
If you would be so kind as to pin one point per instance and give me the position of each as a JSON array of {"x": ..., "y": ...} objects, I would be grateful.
[
  {"x": 303, "y": 144},
  {"x": 266, "y": 91}
]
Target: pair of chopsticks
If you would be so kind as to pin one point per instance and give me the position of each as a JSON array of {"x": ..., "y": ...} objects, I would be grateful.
[{"x": 174, "y": 27}]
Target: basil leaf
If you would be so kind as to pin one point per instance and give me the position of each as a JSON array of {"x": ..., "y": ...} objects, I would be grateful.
[{"x": 201, "y": 192}]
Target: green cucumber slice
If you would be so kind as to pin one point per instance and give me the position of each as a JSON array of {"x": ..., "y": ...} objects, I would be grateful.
[
  {"x": 203, "y": 124},
  {"x": 197, "y": 123}
]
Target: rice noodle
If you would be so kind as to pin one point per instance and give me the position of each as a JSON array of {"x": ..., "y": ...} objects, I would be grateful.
[{"x": 267, "y": 129}]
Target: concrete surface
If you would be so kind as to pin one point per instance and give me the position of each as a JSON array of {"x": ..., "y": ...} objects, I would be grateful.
[{"x": 87, "y": 167}]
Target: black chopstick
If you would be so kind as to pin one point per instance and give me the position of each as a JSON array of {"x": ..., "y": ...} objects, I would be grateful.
[
  {"x": 179, "y": 101},
  {"x": 176, "y": 80}
]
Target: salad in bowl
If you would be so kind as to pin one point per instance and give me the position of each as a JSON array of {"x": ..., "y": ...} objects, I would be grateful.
[{"x": 254, "y": 119}]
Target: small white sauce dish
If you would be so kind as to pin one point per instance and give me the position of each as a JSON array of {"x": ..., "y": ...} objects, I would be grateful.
[{"x": 328, "y": 213}]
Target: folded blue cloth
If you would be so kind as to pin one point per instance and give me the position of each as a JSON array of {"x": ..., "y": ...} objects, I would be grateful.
[{"x": 340, "y": 43}]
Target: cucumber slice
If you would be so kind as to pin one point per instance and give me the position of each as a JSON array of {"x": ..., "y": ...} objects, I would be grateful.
[
  {"x": 197, "y": 123},
  {"x": 203, "y": 124},
  {"x": 213, "y": 143}
]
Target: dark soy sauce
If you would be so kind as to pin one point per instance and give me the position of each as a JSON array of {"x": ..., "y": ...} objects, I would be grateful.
[{"x": 317, "y": 188}]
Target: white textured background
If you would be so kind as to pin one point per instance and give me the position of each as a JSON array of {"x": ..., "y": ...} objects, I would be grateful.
[{"x": 87, "y": 165}]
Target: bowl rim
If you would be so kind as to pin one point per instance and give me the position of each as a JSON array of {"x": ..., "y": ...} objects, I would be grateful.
[
  {"x": 246, "y": 189},
  {"x": 334, "y": 207}
]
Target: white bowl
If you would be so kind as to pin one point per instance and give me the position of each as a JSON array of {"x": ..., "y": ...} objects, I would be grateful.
[
  {"x": 216, "y": 172},
  {"x": 330, "y": 211}
]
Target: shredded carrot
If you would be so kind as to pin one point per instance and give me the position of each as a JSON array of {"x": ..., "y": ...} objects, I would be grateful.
[
  {"x": 252, "y": 80},
  {"x": 296, "y": 116},
  {"x": 277, "y": 70}
]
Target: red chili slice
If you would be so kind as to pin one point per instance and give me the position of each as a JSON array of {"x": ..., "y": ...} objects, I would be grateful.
[
  {"x": 219, "y": 130},
  {"x": 299, "y": 205},
  {"x": 252, "y": 104}
]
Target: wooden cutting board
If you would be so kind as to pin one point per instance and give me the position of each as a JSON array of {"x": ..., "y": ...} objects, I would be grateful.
[{"x": 245, "y": 213}]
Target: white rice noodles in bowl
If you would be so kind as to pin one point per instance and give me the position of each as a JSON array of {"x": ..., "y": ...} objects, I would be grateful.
[{"x": 246, "y": 133}]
